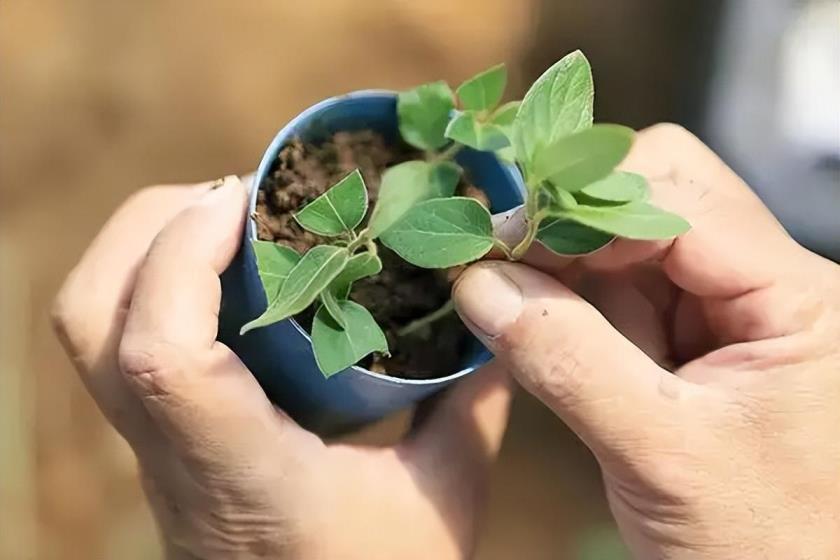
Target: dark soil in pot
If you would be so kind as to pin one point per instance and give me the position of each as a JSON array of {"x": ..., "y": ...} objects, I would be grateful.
[{"x": 401, "y": 293}]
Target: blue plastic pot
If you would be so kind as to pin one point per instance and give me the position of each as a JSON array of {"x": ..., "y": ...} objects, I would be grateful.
[{"x": 280, "y": 356}]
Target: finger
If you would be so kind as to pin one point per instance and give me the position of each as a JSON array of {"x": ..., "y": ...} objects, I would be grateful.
[
  {"x": 467, "y": 422},
  {"x": 735, "y": 245},
  {"x": 89, "y": 311},
  {"x": 100, "y": 286},
  {"x": 750, "y": 278},
  {"x": 736, "y": 257},
  {"x": 562, "y": 350},
  {"x": 178, "y": 290},
  {"x": 452, "y": 447},
  {"x": 198, "y": 392},
  {"x": 510, "y": 228},
  {"x": 637, "y": 304}
]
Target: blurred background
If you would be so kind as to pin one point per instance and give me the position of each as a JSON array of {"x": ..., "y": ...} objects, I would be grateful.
[{"x": 101, "y": 97}]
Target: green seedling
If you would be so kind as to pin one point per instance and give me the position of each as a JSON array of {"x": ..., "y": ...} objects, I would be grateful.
[{"x": 576, "y": 201}]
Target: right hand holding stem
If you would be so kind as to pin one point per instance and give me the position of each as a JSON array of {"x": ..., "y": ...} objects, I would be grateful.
[{"x": 703, "y": 373}]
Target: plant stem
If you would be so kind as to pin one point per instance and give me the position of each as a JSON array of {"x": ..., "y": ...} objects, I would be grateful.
[
  {"x": 503, "y": 247},
  {"x": 357, "y": 240},
  {"x": 533, "y": 228},
  {"x": 519, "y": 251},
  {"x": 436, "y": 315},
  {"x": 447, "y": 154},
  {"x": 532, "y": 201}
]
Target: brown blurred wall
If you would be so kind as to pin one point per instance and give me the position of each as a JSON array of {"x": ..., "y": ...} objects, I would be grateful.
[{"x": 99, "y": 98}]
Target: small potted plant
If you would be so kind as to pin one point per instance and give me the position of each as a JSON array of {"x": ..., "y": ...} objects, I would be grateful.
[{"x": 365, "y": 207}]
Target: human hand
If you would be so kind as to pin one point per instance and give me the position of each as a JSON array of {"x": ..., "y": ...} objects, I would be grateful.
[
  {"x": 736, "y": 454},
  {"x": 227, "y": 474}
]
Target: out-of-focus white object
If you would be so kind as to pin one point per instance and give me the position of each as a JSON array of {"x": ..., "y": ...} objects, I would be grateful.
[
  {"x": 775, "y": 110},
  {"x": 810, "y": 79}
]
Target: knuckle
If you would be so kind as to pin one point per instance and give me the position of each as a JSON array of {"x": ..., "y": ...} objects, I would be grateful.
[
  {"x": 544, "y": 361},
  {"x": 668, "y": 131},
  {"x": 670, "y": 477},
  {"x": 152, "y": 368},
  {"x": 561, "y": 377},
  {"x": 66, "y": 320}
]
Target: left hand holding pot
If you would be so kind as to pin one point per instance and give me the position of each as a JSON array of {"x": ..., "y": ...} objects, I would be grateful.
[{"x": 227, "y": 474}]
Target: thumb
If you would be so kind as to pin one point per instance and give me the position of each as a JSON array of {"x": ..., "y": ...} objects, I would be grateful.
[{"x": 566, "y": 353}]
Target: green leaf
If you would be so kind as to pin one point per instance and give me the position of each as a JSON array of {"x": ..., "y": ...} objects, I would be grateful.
[
  {"x": 337, "y": 211},
  {"x": 338, "y": 348},
  {"x": 423, "y": 114},
  {"x": 507, "y": 155},
  {"x": 483, "y": 91},
  {"x": 314, "y": 272},
  {"x": 503, "y": 118},
  {"x": 559, "y": 103},
  {"x": 274, "y": 262},
  {"x": 619, "y": 188},
  {"x": 467, "y": 130},
  {"x": 575, "y": 161},
  {"x": 637, "y": 220},
  {"x": 565, "y": 237},
  {"x": 405, "y": 185},
  {"x": 441, "y": 233},
  {"x": 559, "y": 200},
  {"x": 330, "y": 303},
  {"x": 505, "y": 115},
  {"x": 359, "y": 266}
]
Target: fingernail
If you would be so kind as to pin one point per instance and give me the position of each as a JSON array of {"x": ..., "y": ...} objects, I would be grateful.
[
  {"x": 487, "y": 299},
  {"x": 510, "y": 227},
  {"x": 220, "y": 189}
]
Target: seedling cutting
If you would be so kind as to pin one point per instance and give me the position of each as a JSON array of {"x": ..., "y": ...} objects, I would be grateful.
[{"x": 576, "y": 202}]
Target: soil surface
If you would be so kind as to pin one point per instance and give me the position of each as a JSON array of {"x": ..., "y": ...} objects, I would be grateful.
[{"x": 401, "y": 293}]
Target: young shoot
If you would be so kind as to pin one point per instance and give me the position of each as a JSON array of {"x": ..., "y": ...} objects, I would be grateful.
[{"x": 576, "y": 201}]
